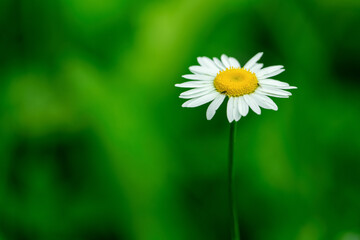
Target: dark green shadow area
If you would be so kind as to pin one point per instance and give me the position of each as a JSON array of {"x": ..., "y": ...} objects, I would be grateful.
[{"x": 94, "y": 143}]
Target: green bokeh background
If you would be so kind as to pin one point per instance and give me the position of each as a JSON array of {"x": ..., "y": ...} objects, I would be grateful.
[{"x": 94, "y": 143}]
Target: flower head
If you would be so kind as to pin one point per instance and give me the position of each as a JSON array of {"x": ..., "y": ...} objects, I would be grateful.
[{"x": 247, "y": 86}]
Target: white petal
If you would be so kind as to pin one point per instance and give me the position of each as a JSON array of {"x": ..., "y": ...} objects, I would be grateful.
[
  {"x": 198, "y": 94},
  {"x": 194, "y": 84},
  {"x": 289, "y": 87},
  {"x": 230, "y": 109},
  {"x": 256, "y": 67},
  {"x": 258, "y": 90},
  {"x": 197, "y": 90},
  {"x": 237, "y": 116},
  {"x": 234, "y": 63},
  {"x": 273, "y": 83},
  {"x": 202, "y": 70},
  {"x": 195, "y": 102},
  {"x": 236, "y": 112},
  {"x": 225, "y": 61},
  {"x": 219, "y": 64},
  {"x": 201, "y": 61},
  {"x": 275, "y": 91},
  {"x": 243, "y": 106},
  {"x": 252, "y": 104},
  {"x": 253, "y": 60},
  {"x": 271, "y": 74},
  {"x": 198, "y": 77},
  {"x": 270, "y": 83},
  {"x": 274, "y": 95},
  {"x": 207, "y": 62},
  {"x": 269, "y": 70},
  {"x": 214, "y": 105},
  {"x": 264, "y": 101}
]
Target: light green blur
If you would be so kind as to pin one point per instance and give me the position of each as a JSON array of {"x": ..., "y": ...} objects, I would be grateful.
[{"x": 94, "y": 143}]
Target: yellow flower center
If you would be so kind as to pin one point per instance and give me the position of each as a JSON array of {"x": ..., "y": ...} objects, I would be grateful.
[{"x": 235, "y": 82}]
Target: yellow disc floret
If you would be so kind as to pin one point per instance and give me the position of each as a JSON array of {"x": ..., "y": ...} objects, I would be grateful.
[{"x": 235, "y": 82}]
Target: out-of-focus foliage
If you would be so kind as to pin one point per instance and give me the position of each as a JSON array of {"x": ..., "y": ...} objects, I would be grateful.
[{"x": 94, "y": 143}]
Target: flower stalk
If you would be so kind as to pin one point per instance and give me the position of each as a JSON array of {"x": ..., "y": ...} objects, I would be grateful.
[{"x": 235, "y": 235}]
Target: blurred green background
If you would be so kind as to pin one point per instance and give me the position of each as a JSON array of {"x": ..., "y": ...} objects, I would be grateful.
[{"x": 94, "y": 143}]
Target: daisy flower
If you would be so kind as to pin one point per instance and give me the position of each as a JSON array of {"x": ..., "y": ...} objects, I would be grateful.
[{"x": 250, "y": 86}]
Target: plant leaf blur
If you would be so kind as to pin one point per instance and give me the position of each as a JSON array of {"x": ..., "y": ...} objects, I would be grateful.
[{"x": 94, "y": 143}]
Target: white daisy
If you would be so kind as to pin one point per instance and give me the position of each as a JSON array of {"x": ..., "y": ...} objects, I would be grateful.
[{"x": 247, "y": 86}]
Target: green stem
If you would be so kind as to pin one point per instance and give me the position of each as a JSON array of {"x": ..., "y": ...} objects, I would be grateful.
[{"x": 235, "y": 235}]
